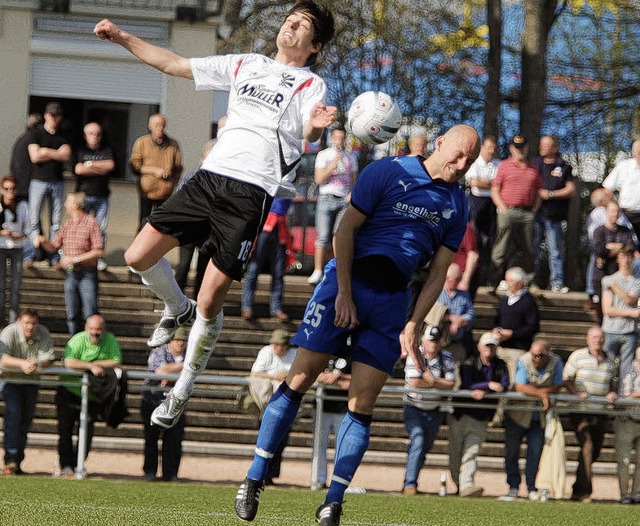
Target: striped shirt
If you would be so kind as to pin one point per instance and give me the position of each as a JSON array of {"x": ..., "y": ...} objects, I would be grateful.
[
  {"x": 590, "y": 375},
  {"x": 442, "y": 366},
  {"x": 518, "y": 185}
]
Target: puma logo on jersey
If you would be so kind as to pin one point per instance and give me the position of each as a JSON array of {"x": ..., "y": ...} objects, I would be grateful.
[
  {"x": 403, "y": 184},
  {"x": 287, "y": 80},
  {"x": 308, "y": 333}
]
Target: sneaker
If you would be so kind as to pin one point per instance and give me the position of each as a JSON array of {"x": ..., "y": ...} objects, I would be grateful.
[
  {"x": 534, "y": 495},
  {"x": 67, "y": 472},
  {"x": 168, "y": 326},
  {"x": 102, "y": 265},
  {"x": 315, "y": 278},
  {"x": 329, "y": 514},
  {"x": 247, "y": 499},
  {"x": 626, "y": 500},
  {"x": 167, "y": 413},
  {"x": 636, "y": 499},
  {"x": 472, "y": 491},
  {"x": 544, "y": 495},
  {"x": 409, "y": 490},
  {"x": 10, "y": 468},
  {"x": 561, "y": 289},
  {"x": 317, "y": 486},
  {"x": 511, "y": 496}
]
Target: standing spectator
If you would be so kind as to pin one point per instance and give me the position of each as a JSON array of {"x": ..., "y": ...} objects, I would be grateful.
[
  {"x": 157, "y": 159},
  {"x": 539, "y": 374},
  {"x": 515, "y": 193},
  {"x": 518, "y": 319},
  {"x": 557, "y": 190},
  {"x": 607, "y": 241},
  {"x": 620, "y": 293},
  {"x": 423, "y": 414},
  {"x": 627, "y": 435},
  {"x": 467, "y": 258},
  {"x": 26, "y": 345},
  {"x": 481, "y": 374},
  {"x": 274, "y": 362},
  {"x": 335, "y": 172},
  {"x": 14, "y": 229},
  {"x": 48, "y": 151},
  {"x": 186, "y": 251},
  {"x": 482, "y": 210},
  {"x": 461, "y": 314},
  {"x": 417, "y": 144},
  {"x": 166, "y": 359},
  {"x": 20, "y": 165},
  {"x": 80, "y": 240},
  {"x": 337, "y": 374},
  {"x": 94, "y": 164},
  {"x": 589, "y": 371},
  {"x": 625, "y": 179},
  {"x": 271, "y": 246},
  {"x": 92, "y": 350}
]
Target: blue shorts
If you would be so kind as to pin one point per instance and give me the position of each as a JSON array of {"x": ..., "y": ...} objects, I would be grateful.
[{"x": 381, "y": 313}]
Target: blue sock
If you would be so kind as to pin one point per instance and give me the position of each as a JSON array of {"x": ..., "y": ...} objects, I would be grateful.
[
  {"x": 276, "y": 421},
  {"x": 352, "y": 442}
]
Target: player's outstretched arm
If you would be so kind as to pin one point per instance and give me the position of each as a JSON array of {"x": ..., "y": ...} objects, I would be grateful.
[
  {"x": 321, "y": 117},
  {"x": 161, "y": 59},
  {"x": 410, "y": 336}
]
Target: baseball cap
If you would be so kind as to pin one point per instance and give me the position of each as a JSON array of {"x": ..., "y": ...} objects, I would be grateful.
[
  {"x": 54, "y": 108},
  {"x": 488, "y": 338},
  {"x": 181, "y": 334},
  {"x": 432, "y": 333},
  {"x": 518, "y": 141},
  {"x": 280, "y": 336}
]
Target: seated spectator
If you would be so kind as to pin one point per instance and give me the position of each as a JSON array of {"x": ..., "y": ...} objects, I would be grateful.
[
  {"x": 461, "y": 314},
  {"x": 80, "y": 240},
  {"x": 166, "y": 359},
  {"x": 620, "y": 293},
  {"x": 271, "y": 246},
  {"x": 539, "y": 374},
  {"x": 517, "y": 321},
  {"x": 14, "y": 229},
  {"x": 481, "y": 374},
  {"x": 607, "y": 241},
  {"x": 273, "y": 362},
  {"x": 627, "y": 436},
  {"x": 423, "y": 414},
  {"x": 587, "y": 372},
  {"x": 338, "y": 374},
  {"x": 24, "y": 345},
  {"x": 92, "y": 350}
]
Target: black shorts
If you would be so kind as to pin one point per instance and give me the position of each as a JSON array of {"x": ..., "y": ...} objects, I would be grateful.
[{"x": 223, "y": 214}]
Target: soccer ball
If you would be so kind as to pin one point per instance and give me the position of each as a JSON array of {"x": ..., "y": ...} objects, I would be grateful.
[{"x": 374, "y": 117}]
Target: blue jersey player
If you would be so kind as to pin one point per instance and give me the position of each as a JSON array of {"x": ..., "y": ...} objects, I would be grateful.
[{"x": 405, "y": 212}]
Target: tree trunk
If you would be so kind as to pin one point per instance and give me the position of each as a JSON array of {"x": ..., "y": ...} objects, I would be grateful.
[{"x": 494, "y": 68}]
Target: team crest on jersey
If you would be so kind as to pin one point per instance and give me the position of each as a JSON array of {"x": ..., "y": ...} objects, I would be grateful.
[{"x": 287, "y": 80}]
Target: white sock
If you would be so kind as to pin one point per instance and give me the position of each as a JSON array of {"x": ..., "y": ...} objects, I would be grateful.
[
  {"x": 202, "y": 341},
  {"x": 160, "y": 279}
]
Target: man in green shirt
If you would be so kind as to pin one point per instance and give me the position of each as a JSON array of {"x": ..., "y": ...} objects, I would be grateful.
[
  {"x": 92, "y": 350},
  {"x": 25, "y": 345}
]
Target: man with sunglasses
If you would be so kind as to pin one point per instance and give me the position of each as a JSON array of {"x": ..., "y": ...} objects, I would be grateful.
[{"x": 538, "y": 374}]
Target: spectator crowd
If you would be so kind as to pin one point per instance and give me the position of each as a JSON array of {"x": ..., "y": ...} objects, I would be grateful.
[{"x": 518, "y": 208}]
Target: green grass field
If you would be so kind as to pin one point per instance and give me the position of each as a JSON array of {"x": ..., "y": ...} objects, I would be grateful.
[{"x": 39, "y": 501}]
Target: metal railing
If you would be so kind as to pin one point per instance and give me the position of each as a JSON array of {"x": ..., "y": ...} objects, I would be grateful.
[{"x": 560, "y": 403}]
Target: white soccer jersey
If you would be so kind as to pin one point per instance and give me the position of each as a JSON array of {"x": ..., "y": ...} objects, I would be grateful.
[{"x": 269, "y": 103}]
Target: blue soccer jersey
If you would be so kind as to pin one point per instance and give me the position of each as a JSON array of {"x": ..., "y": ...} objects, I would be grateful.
[{"x": 409, "y": 215}]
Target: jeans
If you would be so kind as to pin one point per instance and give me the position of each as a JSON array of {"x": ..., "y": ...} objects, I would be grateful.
[
  {"x": 423, "y": 427},
  {"x": 327, "y": 210},
  {"x": 38, "y": 192},
  {"x": 100, "y": 208},
  {"x": 14, "y": 255},
  {"x": 513, "y": 435},
  {"x": 80, "y": 297},
  {"x": 622, "y": 346},
  {"x": 171, "y": 444},
  {"x": 20, "y": 405},
  {"x": 552, "y": 231},
  {"x": 267, "y": 247},
  {"x": 68, "y": 409}
]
